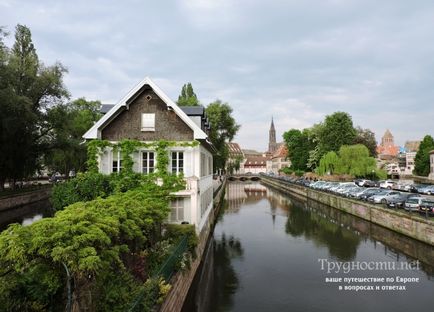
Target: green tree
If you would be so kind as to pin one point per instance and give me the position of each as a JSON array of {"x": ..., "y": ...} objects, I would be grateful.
[
  {"x": 69, "y": 123},
  {"x": 367, "y": 138},
  {"x": 355, "y": 160},
  {"x": 421, "y": 161},
  {"x": 27, "y": 90},
  {"x": 299, "y": 146},
  {"x": 337, "y": 130},
  {"x": 187, "y": 96},
  {"x": 351, "y": 159},
  {"x": 223, "y": 129},
  {"x": 329, "y": 163}
]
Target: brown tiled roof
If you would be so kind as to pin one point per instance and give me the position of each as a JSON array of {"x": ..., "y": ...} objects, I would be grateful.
[
  {"x": 282, "y": 151},
  {"x": 234, "y": 150},
  {"x": 388, "y": 150},
  {"x": 256, "y": 161}
]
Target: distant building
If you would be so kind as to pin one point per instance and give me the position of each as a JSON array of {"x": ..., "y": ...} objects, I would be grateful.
[
  {"x": 279, "y": 159},
  {"x": 249, "y": 152},
  {"x": 412, "y": 146},
  {"x": 387, "y": 149},
  {"x": 272, "y": 145},
  {"x": 431, "y": 160},
  {"x": 256, "y": 164},
  {"x": 236, "y": 154},
  {"x": 409, "y": 162}
]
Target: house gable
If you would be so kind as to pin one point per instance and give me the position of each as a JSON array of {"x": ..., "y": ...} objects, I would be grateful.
[
  {"x": 127, "y": 124},
  {"x": 95, "y": 132}
]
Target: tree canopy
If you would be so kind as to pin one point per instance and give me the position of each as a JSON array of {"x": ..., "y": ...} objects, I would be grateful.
[
  {"x": 187, "y": 96},
  {"x": 307, "y": 147},
  {"x": 336, "y": 131},
  {"x": 421, "y": 161},
  {"x": 28, "y": 89},
  {"x": 69, "y": 122},
  {"x": 351, "y": 159},
  {"x": 223, "y": 130},
  {"x": 298, "y": 148}
]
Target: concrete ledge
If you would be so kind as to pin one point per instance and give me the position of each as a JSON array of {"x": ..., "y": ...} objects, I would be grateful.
[
  {"x": 26, "y": 198},
  {"x": 401, "y": 222}
]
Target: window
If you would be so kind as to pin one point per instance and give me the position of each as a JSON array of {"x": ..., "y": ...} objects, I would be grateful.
[
  {"x": 148, "y": 122},
  {"x": 177, "y": 210},
  {"x": 148, "y": 162},
  {"x": 177, "y": 162},
  {"x": 117, "y": 161}
]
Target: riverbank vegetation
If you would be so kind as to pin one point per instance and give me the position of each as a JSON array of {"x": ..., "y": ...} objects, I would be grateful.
[
  {"x": 104, "y": 246},
  {"x": 324, "y": 148}
]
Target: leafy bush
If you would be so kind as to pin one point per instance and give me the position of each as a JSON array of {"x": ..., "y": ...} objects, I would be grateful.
[
  {"x": 175, "y": 232},
  {"x": 90, "y": 238},
  {"x": 85, "y": 187}
]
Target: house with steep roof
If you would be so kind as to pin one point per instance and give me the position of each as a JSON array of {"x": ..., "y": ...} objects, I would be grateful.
[
  {"x": 387, "y": 149},
  {"x": 148, "y": 115},
  {"x": 279, "y": 159}
]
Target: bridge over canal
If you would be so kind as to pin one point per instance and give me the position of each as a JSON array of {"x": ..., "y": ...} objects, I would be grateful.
[{"x": 244, "y": 177}]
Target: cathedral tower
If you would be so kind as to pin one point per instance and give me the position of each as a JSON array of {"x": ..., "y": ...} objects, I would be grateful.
[{"x": 272, "y": 138}]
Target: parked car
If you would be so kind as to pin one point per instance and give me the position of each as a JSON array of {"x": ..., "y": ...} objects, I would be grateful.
[
  {"x": 368, "y": 193},
  {"x": 388, "y": 184},
  {"x": 428, "y": 190},
  {"x": 398, "y": 201},
  {"x": 427, "y": 206},
  {"x": 383, "y": 196},
  {"x": 416, "y": 188},
  {"x": 413, "y": 203},
  {"x": 364, "y": 182},
  {"x": 352, "y": 191}
]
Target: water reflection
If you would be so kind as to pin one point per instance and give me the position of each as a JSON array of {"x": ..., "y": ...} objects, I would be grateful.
[
  {"x": 26, "y": 214},
  {"x": 226, "y": 281},
  {"x": 265, "y": 250},
  {"x": 341, "y": 243}
]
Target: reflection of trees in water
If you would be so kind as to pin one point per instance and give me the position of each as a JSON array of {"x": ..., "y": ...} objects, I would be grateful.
[
  {"x": 225, "y": 279},
  {"x": 340, "y": 242}
]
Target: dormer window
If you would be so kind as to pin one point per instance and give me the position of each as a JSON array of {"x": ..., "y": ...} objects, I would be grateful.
[{"x": 148, "y": 122}]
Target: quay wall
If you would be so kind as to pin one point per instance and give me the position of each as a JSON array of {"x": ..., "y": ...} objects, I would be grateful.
[
  {"x": 182, "y": 281},
  {"x": 408, "y": 224},
  {"x": 20, "y": 199}
]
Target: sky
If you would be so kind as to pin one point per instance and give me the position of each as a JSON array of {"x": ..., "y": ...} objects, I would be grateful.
[{"x": 297, "y": 61}]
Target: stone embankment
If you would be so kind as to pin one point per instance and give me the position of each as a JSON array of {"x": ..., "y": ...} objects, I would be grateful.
[
  {"x": 402, "y": 222},
  {"x": 25, "y": 198}
]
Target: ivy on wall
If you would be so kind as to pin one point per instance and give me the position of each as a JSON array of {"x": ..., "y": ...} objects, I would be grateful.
[{"x": 128, "y": 147}]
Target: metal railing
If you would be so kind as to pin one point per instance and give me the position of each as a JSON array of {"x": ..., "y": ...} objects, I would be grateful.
[
  {"x": 166, "y": 270},
  {"x": 169, "y": 266}
]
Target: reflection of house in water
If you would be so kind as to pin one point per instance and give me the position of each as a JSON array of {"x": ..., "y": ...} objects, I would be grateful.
[{"x": 240, "y": 192}]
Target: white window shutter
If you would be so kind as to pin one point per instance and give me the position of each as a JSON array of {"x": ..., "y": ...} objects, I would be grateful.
[{"x": 148, "y": 122}]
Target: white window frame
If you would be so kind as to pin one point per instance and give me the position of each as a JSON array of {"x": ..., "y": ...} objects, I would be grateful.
[
  {"x": 177, "y": 168},
  {"x": 177, "y": 210},
  {"x": 148, "y": 122},
  {"x": 118, "y": 162},
  {"x": 148, "y": 168}
]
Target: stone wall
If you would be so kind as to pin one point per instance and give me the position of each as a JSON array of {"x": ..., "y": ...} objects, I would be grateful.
[
  {"x": 26, "y": 198},
  {"x": 182, "y": 281},
  {"x": 408, "y": 224}
]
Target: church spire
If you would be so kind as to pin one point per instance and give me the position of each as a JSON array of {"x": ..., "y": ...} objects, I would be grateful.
[{"x": 272, "y": 137}]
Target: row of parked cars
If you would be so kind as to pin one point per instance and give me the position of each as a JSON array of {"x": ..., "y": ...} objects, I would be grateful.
[
  {"x": 391, "y": 194},
  {"x": 384, "y": 194}
]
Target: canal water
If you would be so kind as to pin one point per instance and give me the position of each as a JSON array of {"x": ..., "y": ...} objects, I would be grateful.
[
  {"x": 26, "y": 214},
  {"x": 272, "y": 252}
]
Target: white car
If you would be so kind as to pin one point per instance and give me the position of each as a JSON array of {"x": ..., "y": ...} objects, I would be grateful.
[
  {"x": 388, "y": 184},
  {"x": 413, "y": 203}
]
